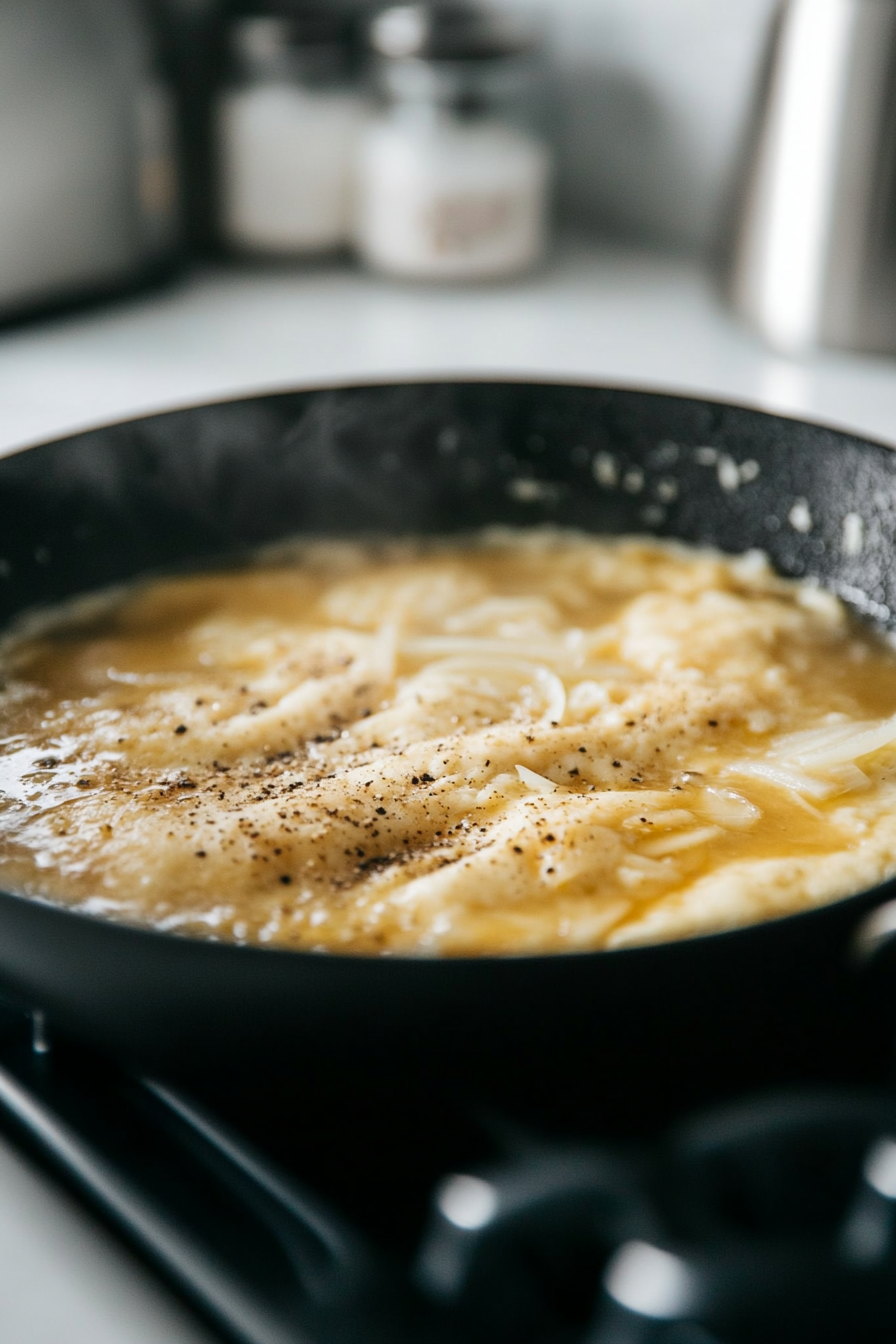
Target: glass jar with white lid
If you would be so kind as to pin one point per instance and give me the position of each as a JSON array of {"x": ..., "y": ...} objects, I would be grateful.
[
  {"x": 453, "y": 176},
  {"x": 288, "y": 122}
]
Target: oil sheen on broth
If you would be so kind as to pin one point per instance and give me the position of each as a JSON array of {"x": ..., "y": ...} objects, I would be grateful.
[{"x": 524, "y": 742}]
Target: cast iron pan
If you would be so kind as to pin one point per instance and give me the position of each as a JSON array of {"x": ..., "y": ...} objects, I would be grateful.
[{"x": 630, "y": 1030}]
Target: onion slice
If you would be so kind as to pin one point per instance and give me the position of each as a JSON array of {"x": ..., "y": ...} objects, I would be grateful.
[
  {"x": 537, "y": 783},
  {"x": 566, "y": 657},
  {"x": 864, "y": 739},
  {"x": 674, "y": 844},
  {"x": 541, "y": 679},
  {"x": 786, "y": 777}
]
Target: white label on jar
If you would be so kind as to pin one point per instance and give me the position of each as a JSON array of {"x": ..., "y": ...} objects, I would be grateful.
[
  {"x": 444, "y": 200},
  {"x": 463, "y": 223}
]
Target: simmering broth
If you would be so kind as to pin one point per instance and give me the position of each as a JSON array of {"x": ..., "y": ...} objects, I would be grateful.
[{"x": 523, "y": 742}]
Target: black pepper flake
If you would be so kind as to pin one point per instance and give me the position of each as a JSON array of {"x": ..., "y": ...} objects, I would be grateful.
[
  {"x": 427, "y": 779},
  {"x": 549, "y": 836},
  {"x": 629, "y": 723},
  {"x": 381, "y": 811},
  {"x": 517, "y": 850},
  {"x": 285, "y": 879},
  {"x": 186, "y": 784},
  {"x": 83, "y": 783},
  {"x": 713, "y": 723},
  {"x": 180, "y": 729},
  {"x": 574, "y": 771},
  {"x": 582, "y": 750},
  {"x": 379, "y": 861},
  {"x": 415, "y": 779},
  {"x": 200, "y": 853},
  {"x": 617, "y": 765}
]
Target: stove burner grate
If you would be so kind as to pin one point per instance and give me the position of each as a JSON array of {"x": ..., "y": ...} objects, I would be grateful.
[{"x": 767, "y": 1221}]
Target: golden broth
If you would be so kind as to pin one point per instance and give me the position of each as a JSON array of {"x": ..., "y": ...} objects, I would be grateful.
[{"x": 524, "y": 742}]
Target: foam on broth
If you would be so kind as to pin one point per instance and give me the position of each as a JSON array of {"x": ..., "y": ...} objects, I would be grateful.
[{"x": 517, "y": 743}]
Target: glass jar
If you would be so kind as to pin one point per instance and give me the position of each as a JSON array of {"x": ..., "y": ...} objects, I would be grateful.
[
  {"x": 453, "y": 175},
  {"x": 288, "y": 126}
]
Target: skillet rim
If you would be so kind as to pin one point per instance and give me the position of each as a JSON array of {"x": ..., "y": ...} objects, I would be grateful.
[
  {"x": 461, "y": 377},
  {"x": 868, "y": 897}
]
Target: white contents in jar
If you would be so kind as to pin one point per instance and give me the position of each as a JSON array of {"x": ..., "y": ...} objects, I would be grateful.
[
  {"x": 443, "y": 199},
  {"x": 287, "y": 159}
]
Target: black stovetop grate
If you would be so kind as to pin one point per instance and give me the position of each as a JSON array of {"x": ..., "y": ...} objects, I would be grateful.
[{"x": 345, "y": 1210}]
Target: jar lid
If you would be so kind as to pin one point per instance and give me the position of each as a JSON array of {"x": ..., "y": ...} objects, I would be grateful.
[
  {"x": 450, "y": 30},
  {"x": 303, "y": 41}
]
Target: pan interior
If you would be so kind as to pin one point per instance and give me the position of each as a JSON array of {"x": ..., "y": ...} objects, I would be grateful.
[{"x": 183, "y": 489}]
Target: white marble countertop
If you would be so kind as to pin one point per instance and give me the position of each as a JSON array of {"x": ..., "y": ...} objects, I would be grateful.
[
  {"x": 592, "y": 314},
  {"x": 603, "y": 316}
]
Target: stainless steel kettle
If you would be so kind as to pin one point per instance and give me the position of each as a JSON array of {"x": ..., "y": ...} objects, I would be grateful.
[
  {"x": 813, "y": 260},
  {"x": 88, "y": 192}
]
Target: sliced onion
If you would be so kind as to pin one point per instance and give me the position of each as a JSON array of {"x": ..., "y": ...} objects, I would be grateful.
[
  {"x": 729, "y": 808},
  {"x": 848, "y": 777},
  {"x": 147, "y": 678},
  {"x": 385, "y": 650},
  {"x": 786, "y": 777},
  {"x": 537, "y": 783},
  {"x": 673, "y": 844},
  {"x": 675, "y": 816},
  {"x": 558, "y": 655},
  {"x": 638, "y": 868},
  {"x": 864, "y": 739},
  {"x": 837, "y": 729},
  {"x": 454, "y": 670}
]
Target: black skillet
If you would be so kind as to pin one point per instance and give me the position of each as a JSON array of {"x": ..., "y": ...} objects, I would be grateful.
[{"x": 627, "y": 1032}]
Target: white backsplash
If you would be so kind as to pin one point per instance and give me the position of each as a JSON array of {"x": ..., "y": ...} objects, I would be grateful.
[{"x": 653, "y": 102}]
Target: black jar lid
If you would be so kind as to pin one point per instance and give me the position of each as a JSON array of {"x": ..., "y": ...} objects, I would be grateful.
[
  {"x": 451, "y": 31},
  {"x": 292, "y": 40}
]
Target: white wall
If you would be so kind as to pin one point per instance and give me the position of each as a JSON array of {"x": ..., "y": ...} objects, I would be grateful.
[{"x": 653, "y": 98}]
